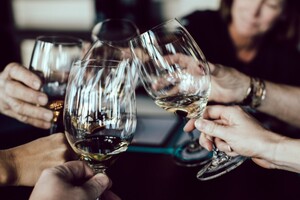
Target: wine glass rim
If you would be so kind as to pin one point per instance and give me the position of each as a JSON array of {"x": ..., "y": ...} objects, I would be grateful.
[
  {"x": 97, "y": 62},
  {"x": 60, "y": 39},
  {"x": 159, "y": 25},
  {"x": 121, "y": 20}
]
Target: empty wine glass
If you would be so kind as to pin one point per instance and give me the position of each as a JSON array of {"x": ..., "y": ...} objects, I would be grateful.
[
  {"x": 175, "y": 74},
  {"x": 51, "y": 60},
  {"x": 111, "y": 41},
  {"x": 100, "y": 111}
]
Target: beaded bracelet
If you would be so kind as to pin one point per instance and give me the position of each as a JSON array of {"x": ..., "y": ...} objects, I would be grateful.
[{"x": 256, "y": 93}]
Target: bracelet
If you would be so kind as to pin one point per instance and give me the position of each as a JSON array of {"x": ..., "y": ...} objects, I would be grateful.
[{"x": 256, "y": 93}]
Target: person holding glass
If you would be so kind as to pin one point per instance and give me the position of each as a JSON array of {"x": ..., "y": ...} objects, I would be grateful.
[
  {"x": 236, "y": 132},
  {"x": 258, "y": 38},
  {"x": 20, "y": 96},
  {"x": 64, "y": 181}
]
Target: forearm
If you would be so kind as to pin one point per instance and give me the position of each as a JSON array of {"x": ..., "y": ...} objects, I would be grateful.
[
  {"x": 283, "y": 102},
  {"x": 286, "y": 155},
  {"x": 7, "y": 170}
]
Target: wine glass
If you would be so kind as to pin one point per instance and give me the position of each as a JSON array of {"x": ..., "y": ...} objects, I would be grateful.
[
  {"x": 100, "y": 111},
  {"x": 51, "y": 60},
  {"x": 111, "y": 41},
  {"x": 175, "y": 73}
]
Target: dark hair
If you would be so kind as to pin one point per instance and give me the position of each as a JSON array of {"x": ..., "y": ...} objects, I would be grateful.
[{"x": 285, "y": 30}]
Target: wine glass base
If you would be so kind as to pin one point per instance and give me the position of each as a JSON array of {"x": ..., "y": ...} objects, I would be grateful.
[
  {"x": 215, "y": 168},
  {"x": 191, "y": 154}
]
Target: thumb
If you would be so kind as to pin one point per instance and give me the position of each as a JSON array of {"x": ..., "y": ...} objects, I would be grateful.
[
  {"x": 209, "y": 128},
  {"x": 96, "y": 185}
]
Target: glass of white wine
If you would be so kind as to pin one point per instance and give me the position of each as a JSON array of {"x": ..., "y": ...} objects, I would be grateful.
[
  {"x": 175, "y": 73},
  {"x": 51, "y": 59},
  {"x": 100, "y": 111}
]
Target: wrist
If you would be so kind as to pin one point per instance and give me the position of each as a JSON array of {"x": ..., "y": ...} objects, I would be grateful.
[
  {"x": 273, "y": 150},
  {"x": 7, "y": 169},
  {"x": 255, "y": 93}
]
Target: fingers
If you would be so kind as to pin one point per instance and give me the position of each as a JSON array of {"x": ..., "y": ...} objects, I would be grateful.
[
  {"x": 209, "y": 127},
  {"x": 19, "y": 91},
  {"x": 17, "y": 72},
  {"x": 29, "y": 110},
  {"x": 95, "y": 186},
  {"x": 206, "y": 141},
  {"x": 189, "y": 126},
  {"x": 37, "y": 116},
  {"x": 225, "y": 147}
]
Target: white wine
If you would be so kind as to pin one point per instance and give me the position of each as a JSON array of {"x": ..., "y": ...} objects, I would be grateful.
[
  {"x": 100, "y": 151},
  {"x": 191, "y": 106}
]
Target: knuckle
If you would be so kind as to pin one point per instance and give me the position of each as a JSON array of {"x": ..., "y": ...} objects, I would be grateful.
[{"x": 23, "y": 118}]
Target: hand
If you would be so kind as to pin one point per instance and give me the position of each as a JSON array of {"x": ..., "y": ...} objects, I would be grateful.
[
  {"x": 23, "y": 165},
  {"x": 228, "y": 84},
  {"x": 19, "y": 96},
  {"x": 73, "y": 180},
  {"x": 232, "y": 126}
]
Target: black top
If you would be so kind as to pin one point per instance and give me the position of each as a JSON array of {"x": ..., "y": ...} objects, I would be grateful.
[{"x": 274, "y": 62}]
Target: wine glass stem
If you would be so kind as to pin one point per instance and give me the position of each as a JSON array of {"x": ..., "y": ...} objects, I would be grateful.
[{"x": 53, "y": 128}]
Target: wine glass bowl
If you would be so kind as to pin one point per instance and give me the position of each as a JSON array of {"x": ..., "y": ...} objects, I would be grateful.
[
  {"x": 51, "y": 60},
  {"x": 100, "y": 111},
  {"x": 117, "y": 32},
  {"x": 111, "y": 41},
  {"x": 175, "y": 73}
]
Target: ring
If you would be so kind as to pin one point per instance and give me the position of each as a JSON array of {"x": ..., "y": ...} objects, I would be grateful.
[{"x": 229, "y": 148}]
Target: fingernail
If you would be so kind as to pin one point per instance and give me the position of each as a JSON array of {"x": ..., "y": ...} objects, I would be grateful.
[
  {"x": 36, "y": 85},
  {"x": 47, "y": 125},
  {"x": 48, "y": 116},
  {"x": 199, "y": 124},
  {"x": 42, "y": 100},
  {"x": 103, "y": 179}
]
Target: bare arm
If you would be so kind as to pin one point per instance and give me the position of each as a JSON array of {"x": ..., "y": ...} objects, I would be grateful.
[
  {"x": 22, "y": 165},
  {"x": 281, "y": 101},
  {"x": 232, "y": 126}
]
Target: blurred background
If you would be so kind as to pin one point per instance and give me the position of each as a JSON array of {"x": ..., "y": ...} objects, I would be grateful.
[{"x": 21, "y": 21}]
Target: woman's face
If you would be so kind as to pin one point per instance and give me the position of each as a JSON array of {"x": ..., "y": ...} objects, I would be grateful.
[{"x": 255, "y": 17}]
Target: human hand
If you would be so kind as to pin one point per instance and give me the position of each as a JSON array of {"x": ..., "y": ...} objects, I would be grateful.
[
  {"x": 19, "y": 96},
  {"x": 25, "y": 163},
  {"x": 232, "y": 127},
  {"x": 228, "y": 84},
  {"x": 72, "y": 180}
]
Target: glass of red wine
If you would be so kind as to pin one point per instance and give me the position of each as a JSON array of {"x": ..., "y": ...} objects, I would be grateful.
[{"x": 51, "y": 60}]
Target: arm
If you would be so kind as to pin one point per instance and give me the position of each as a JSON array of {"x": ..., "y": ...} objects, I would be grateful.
[
  {"x": 20, "y": 95},
  {"x": 232, "y": 126},
  {"x": 281, "y": 101},
  {"x": 22, "y": 165}
]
